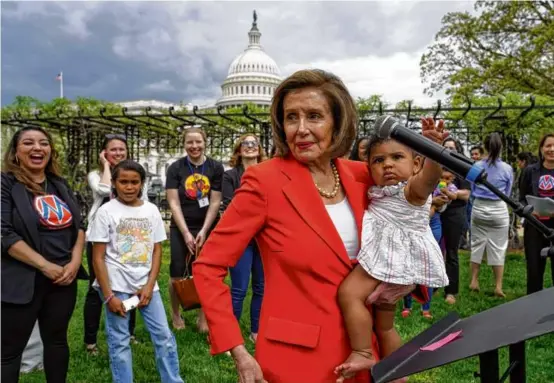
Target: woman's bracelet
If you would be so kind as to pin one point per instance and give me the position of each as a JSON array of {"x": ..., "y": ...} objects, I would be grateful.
[{"x": 109, "y": 298}]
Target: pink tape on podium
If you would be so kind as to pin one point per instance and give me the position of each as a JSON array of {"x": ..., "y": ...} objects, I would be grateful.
[{"x": 438, "y": 344}]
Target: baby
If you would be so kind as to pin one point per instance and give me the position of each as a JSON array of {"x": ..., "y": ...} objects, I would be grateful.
[
  {"x": 398, "y": 249},
  {"x": 445, "y": 187}
]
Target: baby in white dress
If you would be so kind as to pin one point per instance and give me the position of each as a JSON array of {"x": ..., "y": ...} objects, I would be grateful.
[{"x": 398, "y": 250}]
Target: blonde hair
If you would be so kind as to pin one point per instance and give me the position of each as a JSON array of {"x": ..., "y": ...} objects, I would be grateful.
[
  {"x": 341, "y": 103},
  {"x": 194, "y": 130},
  {"x": 236, "y": 158}
]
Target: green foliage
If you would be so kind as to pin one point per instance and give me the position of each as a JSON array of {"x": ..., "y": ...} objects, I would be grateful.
[
  {"x": 372, "y": 104},
  {"x": 507, "y": 46},
  {"x": 525, "y": 127}
]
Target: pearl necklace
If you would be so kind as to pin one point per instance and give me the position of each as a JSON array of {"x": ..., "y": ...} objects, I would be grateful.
[{"x": 332, "y": 194}]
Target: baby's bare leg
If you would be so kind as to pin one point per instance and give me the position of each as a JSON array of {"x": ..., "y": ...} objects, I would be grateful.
[
  {"x": 352, "y": 295},
  {"x": 389, "y": 340}
]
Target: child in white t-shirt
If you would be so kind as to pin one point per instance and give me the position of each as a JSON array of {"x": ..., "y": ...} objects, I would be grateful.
[{"x": 127, "y": 233}]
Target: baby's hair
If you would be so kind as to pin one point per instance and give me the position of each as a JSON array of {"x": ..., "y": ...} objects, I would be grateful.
[
  {"x": 129, "y": 165},
  {"x": 375, "y": 140}
]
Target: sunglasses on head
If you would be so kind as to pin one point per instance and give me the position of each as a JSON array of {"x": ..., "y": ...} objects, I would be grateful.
[
  {"x": 249, "y": 144},
  {"x": 112, "y": 136}
]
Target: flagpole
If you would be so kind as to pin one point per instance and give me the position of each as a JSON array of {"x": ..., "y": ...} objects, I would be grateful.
[{"x": 61, "y": 84}]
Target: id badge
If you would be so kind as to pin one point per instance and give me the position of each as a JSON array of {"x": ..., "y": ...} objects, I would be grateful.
[{"x": 203, "y": 202}]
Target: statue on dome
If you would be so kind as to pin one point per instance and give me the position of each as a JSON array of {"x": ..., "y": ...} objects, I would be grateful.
[{"x": 255, "y": 17}]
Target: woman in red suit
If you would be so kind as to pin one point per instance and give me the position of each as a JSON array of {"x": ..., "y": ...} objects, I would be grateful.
[{"x": 304, "y": 208}]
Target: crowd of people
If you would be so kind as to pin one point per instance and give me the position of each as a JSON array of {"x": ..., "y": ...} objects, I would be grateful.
[{"x": 331, "y": 232}]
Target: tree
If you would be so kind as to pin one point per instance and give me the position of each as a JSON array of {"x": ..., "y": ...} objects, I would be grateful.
[
  {"x": 521, "y": 129},
  {"x": 505, "y": 46}
]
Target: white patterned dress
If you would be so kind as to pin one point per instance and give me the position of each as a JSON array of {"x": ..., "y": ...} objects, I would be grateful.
[{"x": 398, "y": 246}]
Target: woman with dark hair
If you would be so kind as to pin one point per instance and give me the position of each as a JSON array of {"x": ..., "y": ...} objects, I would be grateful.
[
  {"x": 114, "y": 150},
  {"x": 359, "y": 151},
  {"x": 538, "y": 180},
  {"x": 42, "y": 243},
  {"x": 490, "y": 220},
  {"x": 453, "y": 221},
  {"x": 246, "y": 153},
  {"x": 193, "y": 186},
  {"x": 304, "y": 209}
]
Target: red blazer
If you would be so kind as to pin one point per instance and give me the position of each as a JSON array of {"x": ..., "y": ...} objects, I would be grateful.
[{"x": 302, "y": 336}]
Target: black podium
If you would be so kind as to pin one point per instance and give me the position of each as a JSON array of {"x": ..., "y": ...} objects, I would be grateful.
[{"x": 507, "y": 325}]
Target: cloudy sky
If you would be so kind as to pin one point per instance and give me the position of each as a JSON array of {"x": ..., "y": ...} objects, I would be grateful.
[{"x": 181, "y": 51}]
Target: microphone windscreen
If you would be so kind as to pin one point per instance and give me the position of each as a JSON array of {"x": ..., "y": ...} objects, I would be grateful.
[{"x": 384, "y": 126}]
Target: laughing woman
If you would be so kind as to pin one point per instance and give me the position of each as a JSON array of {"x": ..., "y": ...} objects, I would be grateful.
[{"x": 42, "y": 242}]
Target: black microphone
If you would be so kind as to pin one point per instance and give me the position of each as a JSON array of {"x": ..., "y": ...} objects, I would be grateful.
[{"x": 389, "y": 127}]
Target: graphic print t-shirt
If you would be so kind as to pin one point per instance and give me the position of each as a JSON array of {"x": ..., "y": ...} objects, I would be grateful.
[
  {"x": 546, "y": 188},
  {"x": 192, "y": 185},
  {"x": 130, "y": 234},
  {"x": 57, "y": 233}
]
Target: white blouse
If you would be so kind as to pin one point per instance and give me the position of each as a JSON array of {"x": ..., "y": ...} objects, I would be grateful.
[{"x": 343, "y": 217}]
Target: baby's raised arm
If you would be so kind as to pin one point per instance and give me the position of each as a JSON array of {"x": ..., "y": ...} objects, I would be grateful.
[{"x": 421, "y": 185}]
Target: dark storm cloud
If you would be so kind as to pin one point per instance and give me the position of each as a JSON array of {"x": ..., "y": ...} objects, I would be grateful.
[{"x": 181, "y": 50}]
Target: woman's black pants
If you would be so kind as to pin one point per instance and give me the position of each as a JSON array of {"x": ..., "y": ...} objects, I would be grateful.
[
  {"x": 453, "y": 223},
  {"x": 534, "y": 242},
  {"x": 52, "y": 306}
]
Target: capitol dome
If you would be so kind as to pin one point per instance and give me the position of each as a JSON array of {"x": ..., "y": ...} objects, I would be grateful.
[{"x": 253, "y": 75}]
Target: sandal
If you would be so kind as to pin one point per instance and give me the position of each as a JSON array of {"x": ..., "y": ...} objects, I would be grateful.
[
  {"x": 92, "y": 349},
  {"x": 406, "y": 313},
  {"x": 427, "y": 314}
]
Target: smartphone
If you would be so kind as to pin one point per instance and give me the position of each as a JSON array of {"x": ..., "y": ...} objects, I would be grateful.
[{"x": 131, "y": 303}]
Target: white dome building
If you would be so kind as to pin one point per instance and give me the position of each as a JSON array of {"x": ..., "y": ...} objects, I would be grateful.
[{"x": 253, "y": 75}]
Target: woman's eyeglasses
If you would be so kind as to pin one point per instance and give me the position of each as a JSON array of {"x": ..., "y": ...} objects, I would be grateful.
[{"x": 249, "y": 144}]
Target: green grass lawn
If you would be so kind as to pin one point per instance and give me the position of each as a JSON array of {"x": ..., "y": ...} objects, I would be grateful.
[{"x": 199, "y": 367}]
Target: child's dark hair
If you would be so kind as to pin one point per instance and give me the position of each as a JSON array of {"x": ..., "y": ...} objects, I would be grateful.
[
  {"x": 478, "y": 148},
  {"x": 374, "y": 140},
  {"x": 129, "y": 165},
  {"x": 527, "y": 157},
  {"x": 493, "y": 146}
]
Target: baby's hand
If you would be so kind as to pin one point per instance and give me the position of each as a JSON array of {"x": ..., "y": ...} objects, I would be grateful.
[{"x": 432, "y": 132}]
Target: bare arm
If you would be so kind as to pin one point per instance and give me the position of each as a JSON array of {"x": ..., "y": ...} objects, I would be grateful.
[
  {"x": 176, "y": 212},
  {"x": 24, "y": 253},
  {"x": 421, "y": 185},
  {"x": 100, "y": 269},
  {"x": 106, "y": 176},
  {"x": 156, "y": 264},
  {"x": 213, "y": 210},
  {"x": 461, "y": 194}
]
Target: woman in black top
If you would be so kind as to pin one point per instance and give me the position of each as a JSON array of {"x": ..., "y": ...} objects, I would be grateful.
[
  {"x": 193, "y": 186},
  {"x": 42, "y": 243},
  {"x": 538, "y": 180},
  {"x": 247, "y": 152},
  {"x": 453, "y": 220}
]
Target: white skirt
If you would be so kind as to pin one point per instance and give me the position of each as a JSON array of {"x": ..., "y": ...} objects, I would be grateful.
[{"x": 490, "y": 225}]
